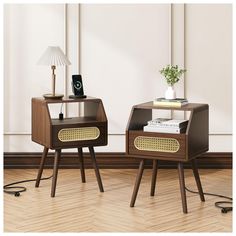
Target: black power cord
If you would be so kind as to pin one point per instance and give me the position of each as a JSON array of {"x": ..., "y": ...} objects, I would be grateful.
[
  {"x": 9, "y": 190},
  {"x": 61, "y": 116},
  {"x": 219, "y": 204}
]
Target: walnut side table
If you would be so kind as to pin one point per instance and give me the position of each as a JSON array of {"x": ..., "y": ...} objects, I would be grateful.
[
  {"x": 184, "y": 147},
  {"x": 87, "y": 130}
]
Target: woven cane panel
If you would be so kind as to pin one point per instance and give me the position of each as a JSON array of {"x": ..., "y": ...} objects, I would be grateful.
[
  {"x": 156, "y": 144},
  {"x": 78, "y": 134}
]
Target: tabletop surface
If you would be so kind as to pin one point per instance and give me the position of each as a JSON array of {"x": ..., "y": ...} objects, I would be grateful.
[
  {"x": 67, "y": 100},
  {"x": 187, "y": 107}
]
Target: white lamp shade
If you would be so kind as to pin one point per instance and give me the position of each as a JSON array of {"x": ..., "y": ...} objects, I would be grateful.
[{"x": 53, "y": 56}]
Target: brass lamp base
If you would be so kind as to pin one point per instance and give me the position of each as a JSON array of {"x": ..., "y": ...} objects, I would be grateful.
[{"x": 51, "y": 96}]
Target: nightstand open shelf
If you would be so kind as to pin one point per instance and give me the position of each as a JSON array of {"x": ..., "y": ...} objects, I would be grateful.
[
  {"x": 45, "y": 129},
  {"x": 192, "y": 143},
  {"x": 181, "y": 147},
  {"x": 88, "y": 129}
]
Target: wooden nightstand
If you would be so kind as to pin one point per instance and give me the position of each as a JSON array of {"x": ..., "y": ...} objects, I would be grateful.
[
  {"x": 86, "y": 130},
  {"x": 181, "y": 148}
]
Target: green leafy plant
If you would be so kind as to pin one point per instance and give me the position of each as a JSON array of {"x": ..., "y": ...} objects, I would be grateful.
[{"x": 172, "y": 74}]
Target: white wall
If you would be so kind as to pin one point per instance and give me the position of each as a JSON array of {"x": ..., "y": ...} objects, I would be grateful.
[
  {"x": 209, "y": 61},
  {"x": 119, "y": 50},
  {"x": 26, "y": 36},
  {"x": 123, "y": 46}
]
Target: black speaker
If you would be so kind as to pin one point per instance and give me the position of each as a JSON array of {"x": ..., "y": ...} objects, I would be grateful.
[{"x": 77, "y": 87}]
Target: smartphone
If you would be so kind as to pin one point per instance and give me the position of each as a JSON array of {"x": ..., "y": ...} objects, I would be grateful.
[{"x": 77, "y": 85}]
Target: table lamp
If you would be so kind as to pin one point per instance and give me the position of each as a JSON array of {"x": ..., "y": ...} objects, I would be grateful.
[{"x": 53, "y": 56}]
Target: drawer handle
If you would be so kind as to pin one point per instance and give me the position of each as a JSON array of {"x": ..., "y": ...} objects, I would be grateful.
[
  {"x": 156, "y": 144},
  {"x": 78, "y": 134}
]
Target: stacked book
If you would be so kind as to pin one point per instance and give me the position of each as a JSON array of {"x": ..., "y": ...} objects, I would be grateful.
[
  {"x": 162, "y": 125},
  {"x": 178, "y": 102}
]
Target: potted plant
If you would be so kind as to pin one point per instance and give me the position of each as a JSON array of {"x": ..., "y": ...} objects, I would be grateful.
[{"x": 172, "y": 75}]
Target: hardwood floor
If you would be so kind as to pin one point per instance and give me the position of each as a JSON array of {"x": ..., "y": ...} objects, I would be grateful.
[{"x": 81, "y": 207}]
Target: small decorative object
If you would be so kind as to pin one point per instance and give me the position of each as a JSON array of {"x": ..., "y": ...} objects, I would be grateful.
[
  {"x": 53, "y": 57},
  {"x": 77, "y": 87},
  {"x": 170, "y": 93},
  {"x": 172, "y": 75}
]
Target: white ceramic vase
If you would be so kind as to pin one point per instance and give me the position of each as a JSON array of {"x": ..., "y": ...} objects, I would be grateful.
[{"x": 170, "y": 93}]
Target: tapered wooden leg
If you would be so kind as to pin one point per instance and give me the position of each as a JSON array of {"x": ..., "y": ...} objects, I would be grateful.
[
  {"x": 182, "y": 186},
  {"x": 95, "y": 166},
  {"x": 198, "y": 181},
  {"x": 55, "y": 171},
  {"x": 137, "y": 183},
  {"x": 41, "y": 166},
  {"x": 154, "y": 177},
  {"x": 81, "y": 160}
]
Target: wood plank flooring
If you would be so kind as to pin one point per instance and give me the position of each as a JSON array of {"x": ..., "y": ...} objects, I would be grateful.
[{"x": 80, "y": 207}]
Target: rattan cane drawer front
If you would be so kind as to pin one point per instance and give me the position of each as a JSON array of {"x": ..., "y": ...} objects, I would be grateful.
[
  {"x": 80, "y": 135},
  {"x": 168, "y": 146},
  {"x": 156, "y": 144}
]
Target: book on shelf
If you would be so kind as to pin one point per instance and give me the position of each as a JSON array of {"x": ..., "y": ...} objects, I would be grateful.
[
  {"x": 158, "y": 121},
  {"x": 163, "y": 122},
  {"x": 172, "y": 130},
  {"x": 178, "y": 102}
]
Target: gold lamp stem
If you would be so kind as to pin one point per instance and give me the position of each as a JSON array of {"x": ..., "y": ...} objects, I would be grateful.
[
  {"x": 53, "y": 80},
  {"x": 53, "y": 95}
]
